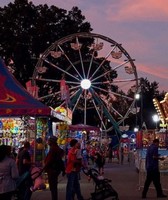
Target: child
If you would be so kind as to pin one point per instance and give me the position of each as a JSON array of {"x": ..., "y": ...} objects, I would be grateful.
[
  {"x": 85, "y": 158},
  {"x": 38, "y": 179},
  {"x": 100, "y": 162},
  {"x": 78, "y": 164}
]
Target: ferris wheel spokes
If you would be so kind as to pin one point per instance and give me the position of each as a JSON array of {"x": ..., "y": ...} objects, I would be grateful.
[
  {"x": 90, "y": 64},
  {"x": 99, "y": 114},
  {"x": 120, "y": 65},
  {"x": 110, "y": 107},
  {"x": 48, "y": 96},
  {"x": 85, "y": 106},
  {"x": 112, "y": 120},
  {"x": 60, "y": 69},
  {"x": 114, "y": 93},
  {"x": 81, "y": 60},
  {"x": 115, "y": 81},
  {"x": 123, "y": 81},
  {"x": 127, "y": 113},
  {"x": 102, "y": 75},
  {"x": 55, "y": 81},
  {"x": 70, "y": 62},
  {"x": 79, "y": 94},
  {"x": 105, "y": 58}
]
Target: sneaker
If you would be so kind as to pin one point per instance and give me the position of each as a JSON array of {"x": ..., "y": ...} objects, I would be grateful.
[
  {"x": 162, "y": 196},
  {"x": 89, "y": 178},
  {"x": 32, "y": 189}
]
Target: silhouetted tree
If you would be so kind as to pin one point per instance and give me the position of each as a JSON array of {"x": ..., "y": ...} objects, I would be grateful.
[
  {"x": 148, "y": 91},
  {"x": 27, "y": 30}
]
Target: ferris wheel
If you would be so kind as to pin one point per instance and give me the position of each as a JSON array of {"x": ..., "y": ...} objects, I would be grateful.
[{"x": 90, "y": 73}]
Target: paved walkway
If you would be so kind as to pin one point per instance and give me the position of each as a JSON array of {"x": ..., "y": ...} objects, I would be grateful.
[{"x": 125, "y": 180}]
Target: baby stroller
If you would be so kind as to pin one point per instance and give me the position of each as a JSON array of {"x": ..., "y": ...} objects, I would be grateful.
[
  {"x": 103, "y": 188},
  {"x": 35, "y": 175}
]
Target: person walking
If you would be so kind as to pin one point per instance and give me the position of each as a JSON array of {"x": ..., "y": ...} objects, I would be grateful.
[
  {"x": 122, "y": 155},
  {"x": 23, "y": 161},
  {"x": 152, "y": 169},
  {"x": 8, "y": 174},
  {"x": 54, "y": 165},
  {"x": 110, "y": 152},
  {"x": 100, "y": 162},
  {"x": 72, "y": 171}
]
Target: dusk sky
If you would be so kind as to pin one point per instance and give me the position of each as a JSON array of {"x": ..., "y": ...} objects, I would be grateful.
[{"x": 141, "y": 26}]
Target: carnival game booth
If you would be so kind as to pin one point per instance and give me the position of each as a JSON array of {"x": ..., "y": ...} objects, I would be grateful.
[
  {"x": 60, "y": 127},
  {"x": 127, "y": 146},
  {"x": 128, "y": 141},
  {"x": 65, "y": 131},
  {"x": 144, "y": 139},
  {"x": 22, "y": 117},
  {"x": 85, "y": 133},
  {"x": 89, "y": 137}
]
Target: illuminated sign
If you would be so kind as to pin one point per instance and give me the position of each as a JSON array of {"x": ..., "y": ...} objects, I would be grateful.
[{"x": 162, "y": 108}]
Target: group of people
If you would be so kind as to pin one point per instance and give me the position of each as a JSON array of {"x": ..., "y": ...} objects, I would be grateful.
[
  {"x": 74, "y": 163},
  {"x": 13, "y": 168},
  {"x": 18, "y": 169},
  {"x": 54, "y": 166}
]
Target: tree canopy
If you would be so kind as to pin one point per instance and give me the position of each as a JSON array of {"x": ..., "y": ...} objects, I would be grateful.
[
  {"x": 148, "y": 91},
  {"x": 27, "y": 30}
]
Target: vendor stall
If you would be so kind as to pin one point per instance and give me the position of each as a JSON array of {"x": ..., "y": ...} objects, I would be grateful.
[
  {"x": 147, "y": 137},
  {"x": 85, "y": 133},
  {"x": 22, "y": 118}
]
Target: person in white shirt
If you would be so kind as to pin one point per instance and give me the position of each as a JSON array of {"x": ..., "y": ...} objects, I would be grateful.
[{"x": 8, "y": 173}]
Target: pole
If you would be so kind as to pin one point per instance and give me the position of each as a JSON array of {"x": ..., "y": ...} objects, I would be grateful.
[
  {"x": 141, "y": 108},
  {"x": 34, "y": 152},
  {"x": 101, "y": 133},
  {"x": 136, "y": 119},
  {"x": 85, "y": 110}
]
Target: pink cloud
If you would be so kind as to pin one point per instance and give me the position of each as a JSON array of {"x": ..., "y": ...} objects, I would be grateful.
[
  {"x": 144, "y": 10},
  {"x": 157, "y": 71}
]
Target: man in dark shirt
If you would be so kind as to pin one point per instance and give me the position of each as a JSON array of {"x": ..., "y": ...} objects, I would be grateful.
[
  {"x": 24, "y": 160},
  {"x": 152, "y": 169},
  {"x": 24, "y": 166},
  {"x": 54, "y": 165}
]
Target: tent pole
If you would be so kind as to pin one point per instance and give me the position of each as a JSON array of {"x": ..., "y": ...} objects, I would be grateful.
[{"x": 35, "y": 134}]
